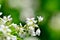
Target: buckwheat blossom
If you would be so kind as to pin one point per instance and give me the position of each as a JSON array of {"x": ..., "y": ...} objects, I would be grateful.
[
  {"x": 4, "y": 29},
  {"x": 8, "y": 18},
  {"x": 30, "y": 21},
  {"x": 5, "y": 19},
  {"x": 21, "y": 29},
  {"x": 40, "y": 18},
  {"x": 31, "y": 28}
]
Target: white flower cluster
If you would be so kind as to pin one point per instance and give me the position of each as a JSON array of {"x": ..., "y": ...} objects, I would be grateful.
[{"x": 12, "y": 31}]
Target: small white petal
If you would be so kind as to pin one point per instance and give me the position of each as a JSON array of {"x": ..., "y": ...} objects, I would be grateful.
[
  {"x": 27, "y": 19},
  {"x": 20, "y": 24},
  {"x": 30, "y": 21},
  {"x": 9, "y": 16},
  {"x": 35, "y": 21},
  {"x": 38, "y": 32}
]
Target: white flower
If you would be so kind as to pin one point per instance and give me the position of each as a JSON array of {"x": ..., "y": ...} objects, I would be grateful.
[
  {"x": 31, "y": 31},
  {"x": 31, "y": 28},
  {"x": 30, "y": 21},
  {"x": 38, "y": 32},
  {"x": 8, "y": 18},
  {"x": 14, "y": 25},
  {"x": 40, "y": 18},
  {"x": 0, "y": 13},
  {"x": 5, "y": 19},
  {"x": 4, "y": 29},
  {"x": 20, "y": 25},
  {"x": 21, "y": 29}
]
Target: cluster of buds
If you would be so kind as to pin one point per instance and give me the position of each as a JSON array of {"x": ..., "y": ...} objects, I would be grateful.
[{"x": 12, "y": 31}]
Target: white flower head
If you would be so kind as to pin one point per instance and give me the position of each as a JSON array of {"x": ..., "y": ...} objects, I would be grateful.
[
  {"x": 4, "y": 29},
  {"x": 30, "y": 21},
  {"x": 0, "y": 13},
  {"x": 40, "y": 18},
  {"x": 14, "y": 25},
  {"x": 8, "y": 18},
  {"x": 21, "y": 29},
  {"x": 31, "y": 28},
  {"x": 31, "y": 31},
  {"x": 38, "y": 32}
]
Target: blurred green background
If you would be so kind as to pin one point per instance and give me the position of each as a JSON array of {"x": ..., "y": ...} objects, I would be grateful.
[{"x": 48, "y": 9}]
